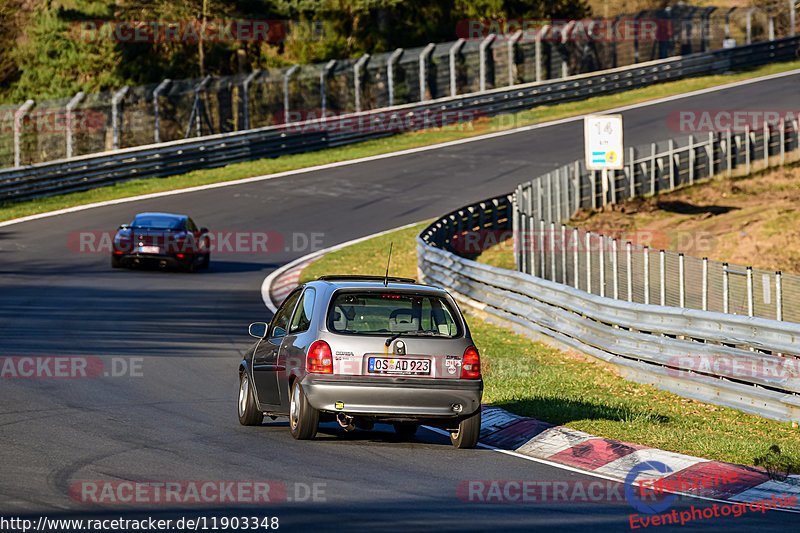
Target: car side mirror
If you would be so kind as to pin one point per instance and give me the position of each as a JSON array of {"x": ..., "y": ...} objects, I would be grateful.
[
  {"x": 258, "y": 330},
  {"x": 123, "y": 226}
]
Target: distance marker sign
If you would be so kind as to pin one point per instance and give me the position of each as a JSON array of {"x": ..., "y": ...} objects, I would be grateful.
[{"x": 603, "y": 142}]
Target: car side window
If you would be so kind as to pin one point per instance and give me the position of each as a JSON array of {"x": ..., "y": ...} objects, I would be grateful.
[
  {"x": 280, "y": 323},
  {"x": 302, "y": 316}
]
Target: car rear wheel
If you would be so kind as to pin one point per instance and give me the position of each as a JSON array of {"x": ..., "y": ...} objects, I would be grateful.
[
  {"x": 303, "y": 419},
  {"x": 116, "y": 262},
  {"x": 249, "y": 415},
  {"x": 468, "y": 432},
  {"x": 405, "y": 429}
]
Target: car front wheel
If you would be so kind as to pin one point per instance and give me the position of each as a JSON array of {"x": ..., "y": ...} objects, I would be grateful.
[
  {"x": 303, "y": 419},
  {"x": 249, "y": 415},
  {"x": 468, "y": 432}
]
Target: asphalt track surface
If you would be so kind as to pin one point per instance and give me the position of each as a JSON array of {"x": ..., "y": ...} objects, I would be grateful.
[{"x": 176, "y": 418}]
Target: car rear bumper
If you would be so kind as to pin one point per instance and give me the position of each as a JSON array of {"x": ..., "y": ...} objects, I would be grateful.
[
  {"x": 150, "y": 259},
  {"x": 365, "y": 395}
]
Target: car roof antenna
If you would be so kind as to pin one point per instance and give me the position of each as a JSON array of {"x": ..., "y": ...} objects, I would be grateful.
[{"x": 386, "y": 278}]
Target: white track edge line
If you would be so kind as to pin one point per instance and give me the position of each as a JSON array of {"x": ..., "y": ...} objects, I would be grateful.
[{"x": 409, "y": 151}]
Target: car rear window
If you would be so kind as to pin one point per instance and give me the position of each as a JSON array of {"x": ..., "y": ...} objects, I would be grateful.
[
  {"x": 382, "y": 313},
  {"x": 157, "y": 222}
]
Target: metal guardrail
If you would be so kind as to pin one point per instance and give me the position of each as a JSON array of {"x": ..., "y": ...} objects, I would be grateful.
[
  {"x": 705, "y": 355},
  {"x": 611, "y": 266},
  {"x": 181, "y": 156}
]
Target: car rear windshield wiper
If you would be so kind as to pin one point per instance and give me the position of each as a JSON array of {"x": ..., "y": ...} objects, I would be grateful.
[{"x": 427, "y": 333}]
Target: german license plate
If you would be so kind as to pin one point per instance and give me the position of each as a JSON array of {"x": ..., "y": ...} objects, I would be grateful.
[
  {"x": 388, "y": 365},
  {"x": 149, "y": 250}
]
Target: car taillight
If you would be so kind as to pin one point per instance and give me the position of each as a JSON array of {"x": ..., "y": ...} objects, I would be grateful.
[
  {"x": 471, "y": 364},
  {"x": 319, "y": 358}
]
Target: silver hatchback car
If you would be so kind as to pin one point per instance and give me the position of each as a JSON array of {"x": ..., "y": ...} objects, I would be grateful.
[{"x": 364, "y": 349}]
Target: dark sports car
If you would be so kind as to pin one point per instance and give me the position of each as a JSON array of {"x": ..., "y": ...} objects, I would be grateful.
[
  {"x": 359, "y": 350},
  {"x": 163, "y": 240}
]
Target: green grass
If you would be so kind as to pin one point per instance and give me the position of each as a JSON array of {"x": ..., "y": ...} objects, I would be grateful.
[
  {"x": 532, "y": 379},
  {"x": 391, "y": 144}
]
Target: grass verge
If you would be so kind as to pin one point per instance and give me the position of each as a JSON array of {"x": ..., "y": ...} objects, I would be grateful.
[
  {"x": 532, "y": 379},
  {"x": 380, "y": 146}
]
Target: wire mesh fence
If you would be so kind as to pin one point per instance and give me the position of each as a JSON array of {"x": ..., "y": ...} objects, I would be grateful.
[
  {"x": 176, "y": 109},
  {"x": 618, "y": 264}
]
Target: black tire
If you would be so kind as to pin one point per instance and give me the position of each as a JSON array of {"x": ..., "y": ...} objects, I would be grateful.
[
  {"x": 191, "y": 266},
  {"x": 249, "y": 415},
  {"x": 116, "y": 262},
  {"x": 406, "y": 429},
  {"x": 303, "y": 419},
  {"x": 206, "y": 261},
  {"x": 468, "y": 432}
]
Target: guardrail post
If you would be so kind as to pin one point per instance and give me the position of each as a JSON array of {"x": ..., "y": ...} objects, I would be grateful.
[
  {"x": 195, "y": 115},
  {"x": 558, "y": 195},
  {"x": 797, "y": 134},
  {"x": 70, "y": 106},
  {"x": 531, "y": 245},
  {"x": 691, "y": 159},
  {"x": 632, "y": 171},
  {"x": 156, "y": 108},
  {"x": 552, "y": 247},
  {"x": 710, "y": 154},
  {"x": 482, "y": 54},
  {"x": 286, "y": 76},
  {"x": 18, "y": 114},
  {"x": 749, "y": 291},
  {"x": 357, "y": 79},
  {"x": 550, "y": 206},
  {"x": 747, "y": 149},
  {"x": 576, "y": 177},
  {"x": 564, "y": 254},
  {"x": 778, "y": 296},
  {"x": 792, "y": 8},
  {"x": 542, "y": 258},
  {"x": 704, "y": 288},
  {"x": 615, "y": 267},
  {"x": 511, "y": 63},
  {"x": 538, "y": 51},
  {"x": 772, "y": 28},
  {"x": 390, "y": 73},
  {"x": 782, "y": 131},
  {"x": 423, "y": 76},
  {"x": 601, "y": 256},
  {"x": 588, "y": 240},
  {"x": 629, "y": 270},
  {"x": 452, "y": 53},
  {"x": 594, "y": 190},
  {"x": 728, "y": 22},
  {"x": 519, "y": 237},
  {"x": 671, "y": 165},
  {"x": 681, "y": 281},
  {"x": 323, "y": 93},
  {"x": 725, "y": 288},
  {"x": 729, "y": 151},
  {"x": 766, "y": 144},
  {"x": 575, "y": 240},
  {"x": 662, "y": 276},
  {"x": 749, "y": 25},
  {"x": 646, "y": 273},
  {"x": 652, "y": 168},
  {"x": 539, "y": 197},
  {"x": 115, "y": 101}
]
